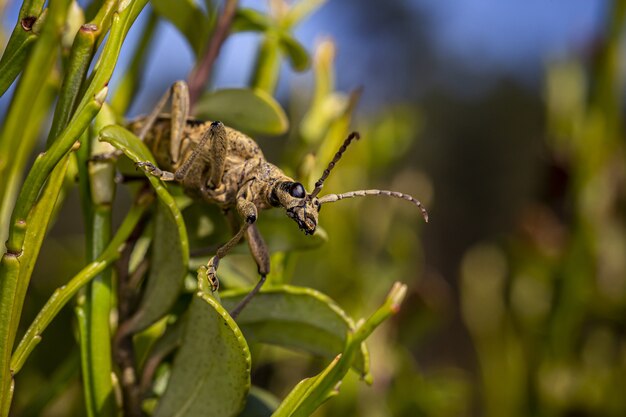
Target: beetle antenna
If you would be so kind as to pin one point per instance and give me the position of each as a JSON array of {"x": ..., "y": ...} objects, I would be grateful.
[
  {"x": 320, "y": 183},
  {"x": 331, "y": 198}
]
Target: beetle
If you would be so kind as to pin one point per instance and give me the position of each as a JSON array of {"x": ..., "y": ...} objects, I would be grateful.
[{"x": 223, "y": 166}]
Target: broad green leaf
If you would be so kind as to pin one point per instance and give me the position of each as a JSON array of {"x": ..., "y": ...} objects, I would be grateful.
[
  {"x": 295, "y": 51},
  {"x": 260, "y": 403},
  {"x": 248, "y": 110},
  {"x": 310, "y": 393},
  {"x": 211, "y": 372},
  {"x": 247, "y": 20},
  {"x": 170, "y": 254},
  {"x": 167, "y": 271},
  {"x": 188, "y": 18},
  {"x": 298, "y": 318}
]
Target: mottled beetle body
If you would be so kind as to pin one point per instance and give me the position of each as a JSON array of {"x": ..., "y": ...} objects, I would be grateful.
[{"x": 225, "y": 167}]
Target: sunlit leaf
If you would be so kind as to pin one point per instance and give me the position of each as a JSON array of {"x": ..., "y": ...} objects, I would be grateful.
[
  {"x": 251, "y": 111},
  {"x": 211, "y": 371},
  {"x": 298, "y": 318}
]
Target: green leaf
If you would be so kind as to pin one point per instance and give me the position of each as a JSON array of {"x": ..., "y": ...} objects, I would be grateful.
[
  {"x": 170, "y": 255},
  {"x": 299, "y": 11},
  {"x": 310, "y": 393},
  {"x": 211, "y": 372},
  {"x": 188, "y": 18},
  {"x": 295, "y": 51},
  {"x": 298, "y": 318},
  {"x": 303, "y": 390},
  {"x": 167, "y": 271},
  {"x": 251, "y": 20},
  {"x": 248, "y": 110}
]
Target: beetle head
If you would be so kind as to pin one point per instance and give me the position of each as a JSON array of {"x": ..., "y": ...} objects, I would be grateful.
[{"x": 302, "y": 209}]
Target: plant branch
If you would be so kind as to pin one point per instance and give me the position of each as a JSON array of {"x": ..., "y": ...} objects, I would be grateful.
[
  {"x": 199, "y": 76},
  {"x": 123, "y": 346}
]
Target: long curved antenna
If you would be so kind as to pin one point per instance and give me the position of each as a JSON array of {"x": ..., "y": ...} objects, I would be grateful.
[
  {"x": 331, "y": 198},
  {"x": 320, "y": 183}
]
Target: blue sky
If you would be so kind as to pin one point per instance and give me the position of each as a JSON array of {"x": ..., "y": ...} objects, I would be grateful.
[{"x": 506, "y": 35}]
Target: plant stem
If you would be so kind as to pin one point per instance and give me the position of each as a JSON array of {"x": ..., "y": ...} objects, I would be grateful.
[
  {"x": 63, "y": 294},
  {"x": 22, "y": 38},
  {"x": 199, "y": 76}
]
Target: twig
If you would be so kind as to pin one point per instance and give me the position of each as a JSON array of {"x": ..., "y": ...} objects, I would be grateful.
[
  {"x": 123, "y": 350},
  {"x": 199, "y": 76}
]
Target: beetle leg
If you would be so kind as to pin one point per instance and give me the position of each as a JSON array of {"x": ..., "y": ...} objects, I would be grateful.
[
  {"x": 221, "y": 252},
  {"x": 248, "y": 212},
  {"x": 261, "y": 256},
  {"x": 217, "y": 154},
  {"x": 152, "y": 169},
  {"x": 178, "y": 118},
  {"x": 180, "y": 109}
]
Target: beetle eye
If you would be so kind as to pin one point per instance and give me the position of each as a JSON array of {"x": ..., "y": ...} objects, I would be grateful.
[{"x": 297, "y": 190}]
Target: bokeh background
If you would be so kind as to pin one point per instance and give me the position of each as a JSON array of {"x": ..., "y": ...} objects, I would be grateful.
[{"x": 506, "y": 120}]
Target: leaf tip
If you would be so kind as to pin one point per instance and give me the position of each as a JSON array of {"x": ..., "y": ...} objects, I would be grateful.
[{"x": 396, "y": 296}]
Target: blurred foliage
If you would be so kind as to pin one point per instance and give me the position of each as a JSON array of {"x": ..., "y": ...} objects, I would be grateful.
[
  {"x": 545, "y": 306},
  {"x": 516, "y": 292}
]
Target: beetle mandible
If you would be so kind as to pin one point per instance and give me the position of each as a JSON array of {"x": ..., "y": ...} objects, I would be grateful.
[{"x": 223, "y": 166}]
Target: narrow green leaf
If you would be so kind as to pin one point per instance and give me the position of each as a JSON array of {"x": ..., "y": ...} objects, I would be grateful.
[
  {"x": 251, "y": 20},
  {"x": 211, "y": 372},
  {"x": 267, "y": 64},
  {"x": 15, "y": 271},
  {"x": 188, "y": 18},
  {"x": 11, "y": 67},
  {"x": 63, "y": 294},
  {"x": 133, "y": 76},
  {"x": 24, "y": 35},
  {"x": 310, "y": 393},
  {"x": 248, "y": 110},
  {"x": 295, "y": 51},
  {"x": 15, "y": 145},
  {"x": 302, "y": 390},
  {"x": 299, "y": 11},
  {"x": 297, "y": 318}
]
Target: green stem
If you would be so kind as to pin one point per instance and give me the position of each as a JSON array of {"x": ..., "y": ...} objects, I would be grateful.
[
  {"x": 43, "y": 166},
  {"x": 97, "y": 190},
  {"x": 63, "y": 294},
  {"x": 18, "y": 261},
  {"x": 326, "y": 382},
  {"x": 22, "y": 39},
  {"x": 80, "y": 58},
  {"x": 130, "y": 83},
  {"x": 15, "y": 146},
  {"x": 267, "y": 67},
  {"x": 15, "y": 271}
]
